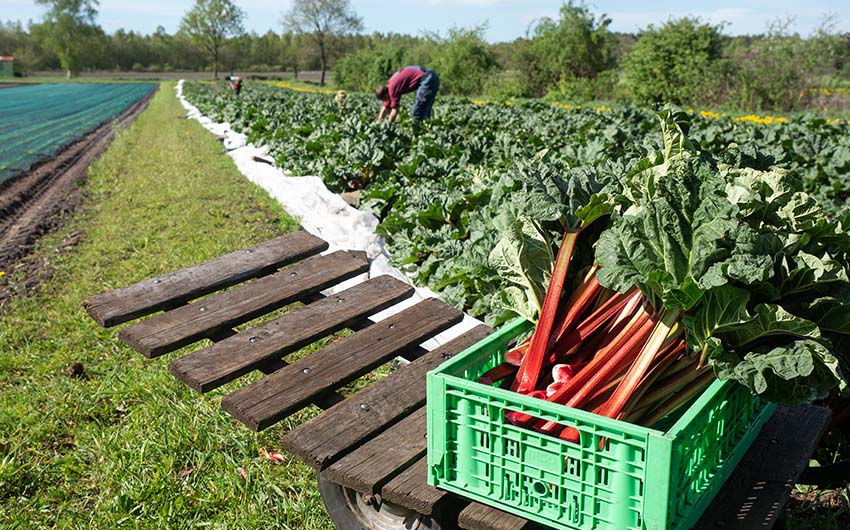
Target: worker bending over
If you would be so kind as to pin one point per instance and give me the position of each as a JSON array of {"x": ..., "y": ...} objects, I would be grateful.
[{"x": 423, "y": 80}]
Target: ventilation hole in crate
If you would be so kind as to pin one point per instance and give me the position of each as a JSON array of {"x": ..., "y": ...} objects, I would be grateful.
[
  {"x": 574, "y": 514},
  {"x": 484, "y": 439},
  {"x": 540, "y": 488},
  {"x": 512, "y": 448},
  {"x": 572, "y": 466},
  {"x": 640, "y": 488},
  {"x": 602, "y": 476}
]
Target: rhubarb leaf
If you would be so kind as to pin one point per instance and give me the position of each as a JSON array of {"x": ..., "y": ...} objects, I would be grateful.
[
  {"x": 799, "y": 372},
  {"x": 523, "y": 257},
  {"x": 769, "y": 321}
]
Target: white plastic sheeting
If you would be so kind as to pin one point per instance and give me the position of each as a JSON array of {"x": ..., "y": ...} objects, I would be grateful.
[{"x": 322, "y": 213}]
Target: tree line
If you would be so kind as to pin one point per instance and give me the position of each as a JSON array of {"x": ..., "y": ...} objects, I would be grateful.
[{"x": 574, "y": 57}]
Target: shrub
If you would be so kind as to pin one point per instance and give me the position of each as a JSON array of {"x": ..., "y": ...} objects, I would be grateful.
[
  {"x": 603, "y": 86},
  {"x": 464, "y": 62},
  {"x": 577, "y": 46},
  {"x": 775, "y": 72},
  {"x": 680, "y": 62},
  {"x": 505, "y": 85},
  {"x": 368, "y": 67}
]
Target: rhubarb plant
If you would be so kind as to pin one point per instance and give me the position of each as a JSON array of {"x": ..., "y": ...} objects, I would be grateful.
[{"x": 702, "y": 270}]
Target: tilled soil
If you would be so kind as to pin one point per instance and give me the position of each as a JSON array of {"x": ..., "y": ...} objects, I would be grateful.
[{"x": 40, "y": 201}]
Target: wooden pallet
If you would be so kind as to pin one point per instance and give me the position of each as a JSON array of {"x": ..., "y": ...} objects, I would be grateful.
[{"x": 374, "y": 441}]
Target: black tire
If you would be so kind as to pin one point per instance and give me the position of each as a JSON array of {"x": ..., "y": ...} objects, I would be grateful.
[{"x": 349, "y": 511}]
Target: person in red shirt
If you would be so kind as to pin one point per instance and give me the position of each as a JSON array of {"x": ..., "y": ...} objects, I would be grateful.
[{"x": 423, "y": 80}]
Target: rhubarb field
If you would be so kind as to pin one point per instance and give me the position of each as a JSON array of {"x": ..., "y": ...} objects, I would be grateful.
[{"x": 447, "y": 191}]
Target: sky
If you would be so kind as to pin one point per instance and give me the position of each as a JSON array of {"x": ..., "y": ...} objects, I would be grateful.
[{"x": 505, "y": 19}]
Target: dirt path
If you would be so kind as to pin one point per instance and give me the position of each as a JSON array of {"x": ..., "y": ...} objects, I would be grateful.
[{"x": 36, "y": 203}]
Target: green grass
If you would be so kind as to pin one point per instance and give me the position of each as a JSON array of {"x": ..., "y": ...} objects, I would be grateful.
[{"x": 128, "y": 446}]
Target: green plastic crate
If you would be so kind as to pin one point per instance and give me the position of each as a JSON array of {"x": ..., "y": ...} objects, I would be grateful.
[{"x": 620, "y": 476}]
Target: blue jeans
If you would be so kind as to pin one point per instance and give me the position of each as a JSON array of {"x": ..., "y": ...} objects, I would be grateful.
[{"x": 425, "y": 95}]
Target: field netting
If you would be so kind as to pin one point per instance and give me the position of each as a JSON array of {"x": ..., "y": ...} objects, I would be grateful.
[{"x": 38, "y": 121}]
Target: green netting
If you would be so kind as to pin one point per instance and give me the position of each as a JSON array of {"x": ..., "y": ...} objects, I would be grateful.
[{"x": 38, "y": 121}]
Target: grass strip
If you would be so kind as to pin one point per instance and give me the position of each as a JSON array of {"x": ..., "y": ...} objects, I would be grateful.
[{"x": 125, "y": 445}]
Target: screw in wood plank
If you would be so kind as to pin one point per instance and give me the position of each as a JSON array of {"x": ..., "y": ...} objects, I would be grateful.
[
  {"x": 157, "y": 281},
  {"x": 202, "y": 308},
  {"x": 364, "y": 407},
  {"x": 253, "y": 339},
  {"x": 249, "y": 251},
  {"x": 391, "y": 326},
  {"x": 293, "y": 273},
  {"x": 307, "y": 370},
  {"x": 340, "y": 299}
]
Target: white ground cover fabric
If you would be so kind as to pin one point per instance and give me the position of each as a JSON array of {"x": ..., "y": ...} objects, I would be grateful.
[{"x": 322, "y": 213}]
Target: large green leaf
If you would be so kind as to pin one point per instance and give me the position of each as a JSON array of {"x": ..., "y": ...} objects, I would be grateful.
[
  {"x": 523, "y": 256},
  {"x": 799, "y": 372}
]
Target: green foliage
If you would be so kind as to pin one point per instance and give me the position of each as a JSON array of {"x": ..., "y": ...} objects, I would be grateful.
[
  {"x": 464, "y": 61},
  {"x": 367, "y": 68},
  {"x": 602, "y": 87},
  {"x": 505, "y": 85},
  {"x": 680, "y": 62},
  {"x": 776, "y": 72},
  {"x": 578, "y": 45}
]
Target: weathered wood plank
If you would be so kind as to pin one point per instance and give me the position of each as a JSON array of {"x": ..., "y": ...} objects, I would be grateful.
[
  {"x": 174, "y": 289},
  {"x": 323, "y": 439},
  {"x": 275, "y": 397},
  {"x": 477, "y": 516},
  {"x": 755, "y": 494},
  {"x": 369, "y": 467},
  {"x": 184, "y": 325},
  {"x": 411, "y": 490},
  {"x": 224, "y": 361}
]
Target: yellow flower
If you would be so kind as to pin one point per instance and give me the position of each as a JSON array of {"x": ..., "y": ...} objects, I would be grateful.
[
  {"x": 299, "y": 88},
  {"x": 709, "y": 114},
  {"x": 602, "y": 108}
]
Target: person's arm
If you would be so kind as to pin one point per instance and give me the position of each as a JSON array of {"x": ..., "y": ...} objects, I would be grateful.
[
  {"x": 382, "y": 114},
  {"x": 393, "y": 114}
]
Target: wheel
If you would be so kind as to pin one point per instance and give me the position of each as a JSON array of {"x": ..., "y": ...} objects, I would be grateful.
[{"x": 351, "y": 510}]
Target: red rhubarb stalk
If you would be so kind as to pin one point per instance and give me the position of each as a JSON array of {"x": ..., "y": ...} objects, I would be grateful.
[
  {"x": 642, "y": 364},
  {"x": 532, "y": 362}
]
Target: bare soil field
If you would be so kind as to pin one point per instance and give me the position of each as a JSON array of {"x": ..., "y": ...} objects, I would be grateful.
[{"x": 38, "y": 202}]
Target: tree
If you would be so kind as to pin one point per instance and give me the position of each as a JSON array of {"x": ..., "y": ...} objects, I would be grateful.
[
  {"x": 67, "y": 25},
  {"x": 325, "y": 21},
  {"x": 209, "y": 23}
]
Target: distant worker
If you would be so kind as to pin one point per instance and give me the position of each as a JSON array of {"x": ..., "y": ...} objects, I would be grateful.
[
  {"x": 423, "y": 80},
  {"x": 235, "y": 83}
]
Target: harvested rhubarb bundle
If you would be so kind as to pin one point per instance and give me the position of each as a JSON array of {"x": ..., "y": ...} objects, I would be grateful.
[{"x": 701, "y": 271}]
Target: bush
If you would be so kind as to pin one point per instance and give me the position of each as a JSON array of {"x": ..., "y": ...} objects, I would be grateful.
[
  {"x": 603, "y": 86},
  {"x": 464, "y": 62},
  {"x": 680, "y": 62},
  {"x": 366, "y": 68},
  {"x": 578, "y": 46},
  {"x": 505, "y": 85},
  {"x": 776, "y": 72}
]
